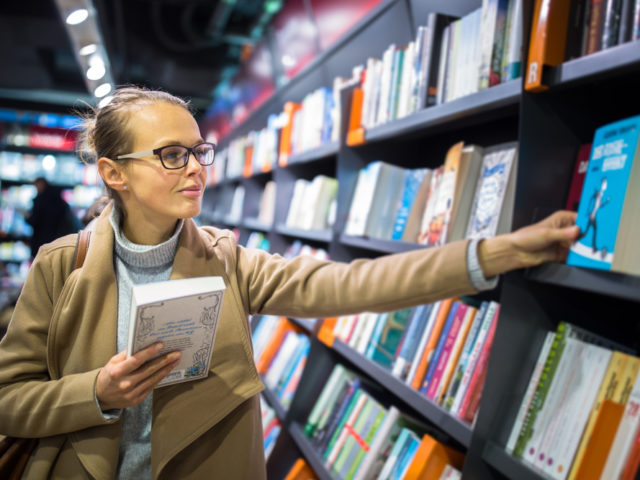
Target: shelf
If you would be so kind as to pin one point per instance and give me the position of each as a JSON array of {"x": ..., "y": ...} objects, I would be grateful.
[
  {"x": 323, "y": 151},
  {"x": 432, "y": 412},
  {"x": 314, "y": 235},
  {"x": 618, "y": 59},
  {"x": 255, "y": 224},
  {"x": 35, "y": 151},
  {"x": 273, "y": 401},
  {"x": 310, "y": 454},
  {"x": 307, "y": 324},
  {"x": 14, "y": 183},
  {"x": 595, "y": 281},
  {"x": 494, "y": 98},
  {"x": 385, "y": 246},
  {"x": 509, "y": 465}
]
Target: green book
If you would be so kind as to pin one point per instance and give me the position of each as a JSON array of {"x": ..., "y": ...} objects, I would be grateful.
[
  {"x": 369, "y": 432},
  {"x": 328, "y": 393}
]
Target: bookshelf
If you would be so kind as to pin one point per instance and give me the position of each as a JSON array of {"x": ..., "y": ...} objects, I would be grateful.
[{"x": 584, "y": 93}]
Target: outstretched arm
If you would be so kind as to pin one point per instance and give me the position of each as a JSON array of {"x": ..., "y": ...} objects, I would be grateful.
[{"x": 546, "y": 241}]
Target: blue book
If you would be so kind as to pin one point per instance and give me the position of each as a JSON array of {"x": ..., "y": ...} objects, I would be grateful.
[
  {"x": 300, "y": 353},
  {"x": 441, "y": 341},
  {"x": 387, "y": 337},
  {"x": 412, "y": 180},
  {"x": 402, "y": 465},
  {"x": 606, "y": 214},
  {"x": 412, "y": 335}
]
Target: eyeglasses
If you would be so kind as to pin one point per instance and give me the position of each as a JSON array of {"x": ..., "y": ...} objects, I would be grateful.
[{"x": 174, "y": 157}]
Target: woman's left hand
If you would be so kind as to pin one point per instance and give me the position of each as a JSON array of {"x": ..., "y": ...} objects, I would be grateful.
[{"x": 546, "y": 241}]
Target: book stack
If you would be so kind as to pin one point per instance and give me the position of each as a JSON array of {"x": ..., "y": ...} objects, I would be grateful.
[
  {"x": 449, "y": 58},
  {"x": 312, "y": 205},
  {"x": 281, "y": 354},
  {"x": 258, "y": 240},
  {"x": 580, "y": 415},
  {"x": 271, "y": 427},
  {"x": 471, "y": 195},
  {"x": 441, "y": 349},
  {"x": 361, "y": 439}
]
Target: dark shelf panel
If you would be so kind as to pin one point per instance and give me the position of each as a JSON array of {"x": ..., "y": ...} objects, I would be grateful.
[
  {"x": 310, "y": 454},
  {"x": 273, "y": 401},
  {"x": 621, "y": 58},
  {"x": 14, "y": 183},
  {"x": 308, "y": 324},
  {"x": 315, "y": 235},
  {"x": 386, "y": 246},
  {"x": 323, "y": 151},
  {"x": 36, "y": 151},
  {"x": 255, "y": 224},
  {"x": 432, "y": 412},
  {"x": 595, "y": 281},
  {"x": 494, "y": 98},
  {"x": 509, "y": 465}
]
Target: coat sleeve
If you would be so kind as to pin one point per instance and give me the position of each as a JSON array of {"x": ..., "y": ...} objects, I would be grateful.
[
  {"x": 307, "y": 287},
  {"x": 32, "y": 404}
]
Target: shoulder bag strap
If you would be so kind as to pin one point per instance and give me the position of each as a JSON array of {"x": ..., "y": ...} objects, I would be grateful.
[{"x": 81, "y": 248}]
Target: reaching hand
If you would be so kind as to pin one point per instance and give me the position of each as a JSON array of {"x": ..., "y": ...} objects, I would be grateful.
[
  {"x": 125, "y": 382},
  {"x": 546, "y": 241}
]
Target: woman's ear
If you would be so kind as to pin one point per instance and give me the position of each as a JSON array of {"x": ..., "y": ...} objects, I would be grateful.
[{"x": 112, "y": 174}]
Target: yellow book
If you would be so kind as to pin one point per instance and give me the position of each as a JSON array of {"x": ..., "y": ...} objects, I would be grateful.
[{"x": 616, "y": 386}]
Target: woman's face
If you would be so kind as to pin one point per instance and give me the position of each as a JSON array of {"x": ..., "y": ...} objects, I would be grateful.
[{"x": 156, "y": 197}]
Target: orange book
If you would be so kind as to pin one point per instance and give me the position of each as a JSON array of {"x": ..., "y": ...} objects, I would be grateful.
[
  {"x": 355, "y": 135},
  {"x": 548, "y": 40},
  {"x": 427, "y": 353},
  {"x": 602, "y": 435},
  {"x": 326, "y": 334},
  {"x": 248, "y": 157},
  {"x": 301, "y": 471},
  {"x": 431, "y": 458},
  {"x": 272, "y": 347},
  {"x": 290, "y": 108}
]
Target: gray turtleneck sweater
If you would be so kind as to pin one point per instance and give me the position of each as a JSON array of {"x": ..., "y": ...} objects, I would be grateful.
[{"x": 137, "y": 264}]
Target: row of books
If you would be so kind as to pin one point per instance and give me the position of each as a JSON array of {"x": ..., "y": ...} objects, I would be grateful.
[
  {"x": 359, "y": 438},
  {"x": 12, "y": 222},
  {"x": 280, "y": 352},
  {"x": 450, "y": 57},
  {"x": 470, "y": 195},
  {"x": 258, "y": 240},
  {"x": 14, "y": 252},
  {"x": 608, "y": 202},
  {"x": 271, "y": 427},
  {"x": 313, "y": 203},
  {"x": 59, "y": 169},
  {"x": 563, "y": 30},
  {"x": 580, "y": 415},
  {"x": 441, "y": 349}
]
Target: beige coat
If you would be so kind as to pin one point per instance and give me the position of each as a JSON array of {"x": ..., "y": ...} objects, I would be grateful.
[{"x": 64, "y": 330}]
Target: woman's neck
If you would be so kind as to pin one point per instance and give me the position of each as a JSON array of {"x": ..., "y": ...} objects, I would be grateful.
[{"x": 148, "y": 235}]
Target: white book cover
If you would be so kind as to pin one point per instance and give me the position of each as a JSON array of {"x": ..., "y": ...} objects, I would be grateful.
[
  {"x": 365, "y": 335},
  {"x": 423, "y": 343},
  {"x": 490, "y": 193},
  {"x": 182, "y": 314},
  {"x": 557, "y": 391},
  {"x": 385, "y": 85},
  {"x": 361, "y": 323},
  {"x": 281, "y": 359},
  {"x": 570, "y": 420},
  {"x": 531, "y": 388},
  {"x": 362, "y": 199},
  {"x": 626, "y": 433},
  {"x": 295, "y": 205}
]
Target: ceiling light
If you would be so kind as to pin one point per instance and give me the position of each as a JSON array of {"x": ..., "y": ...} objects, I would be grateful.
[
  {"x": 77, "y": 16},
  {"x": 102, "y": 90},
  {"x": 96, "y": 72},
  {"x": 48, "y": 163},
  {"x": 88, "y": 49},
  {"x": 105, "y": 101}
]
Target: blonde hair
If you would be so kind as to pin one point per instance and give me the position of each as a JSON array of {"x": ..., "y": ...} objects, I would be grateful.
[{"x": 106, "y": 131}]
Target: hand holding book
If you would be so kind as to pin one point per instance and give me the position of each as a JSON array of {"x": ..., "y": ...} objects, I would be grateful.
[
  {"x": 545, "y": 241},
  {"x": 125, "y": 382}
]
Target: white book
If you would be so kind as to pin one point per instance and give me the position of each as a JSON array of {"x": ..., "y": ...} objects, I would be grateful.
[
  {"x": 531, "y": 388},
  {"x": 569, "y": 421},
  {"x": 361, "y": 323},
  {"x": 268, "y": 203},
  {"x": 281, "y": 359},
  {"x": 493, "y": 201},
  {"x": 365, "y": 335},
  {"x": 182, "y": 314},
  {"x": 295, "y": 205},
  {"x": 625, "y": 435},
  {"x": 557, "y": 391},
  {"x": 374, "y": 459},
  {"x": 405, "y": 81},
  {"x": 385, "y": 85},
  {"x": 362, "y": 199}
]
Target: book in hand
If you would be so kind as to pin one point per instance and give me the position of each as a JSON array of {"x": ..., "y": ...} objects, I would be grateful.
[{"x": 183, "y": 315}]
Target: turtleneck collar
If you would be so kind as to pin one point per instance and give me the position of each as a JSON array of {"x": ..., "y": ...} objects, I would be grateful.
[{"x": 143, "y": 255}]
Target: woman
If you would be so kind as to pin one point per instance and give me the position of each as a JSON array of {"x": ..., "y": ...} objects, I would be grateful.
[{"x": 92, "y": 408}]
